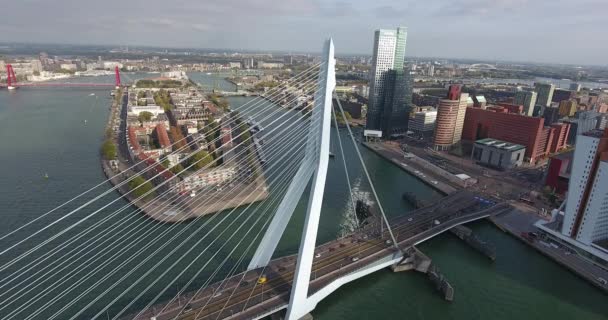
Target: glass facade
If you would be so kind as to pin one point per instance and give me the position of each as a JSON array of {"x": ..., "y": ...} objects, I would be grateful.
[{"x": 388, "y": 105}]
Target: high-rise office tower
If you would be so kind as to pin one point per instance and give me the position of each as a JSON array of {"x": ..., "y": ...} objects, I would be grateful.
[
  {"x": 526, "y": 99},
  {"x": 586, "y": 215},
  {"x": 545, "y": 94},
  {"x": 389, "y": 54},
  {"x": 450, "y": 118}
]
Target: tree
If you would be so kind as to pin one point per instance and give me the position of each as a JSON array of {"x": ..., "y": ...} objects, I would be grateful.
[
  {"x": 145, "y": 116},
  {"x": 179, "y": 141},
  {"x": 176, "y": 169},
  {"x": 221, "y": 102},
  {"x": 200, "y": 160},
  {"x": 140, "y": 186},
  {"x": 108, "y": 150}
]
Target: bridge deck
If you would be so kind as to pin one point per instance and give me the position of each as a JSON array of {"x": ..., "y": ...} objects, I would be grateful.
[{"x": 240, "y": 297}]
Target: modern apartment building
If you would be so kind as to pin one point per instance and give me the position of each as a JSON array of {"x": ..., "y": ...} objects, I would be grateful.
[
  {"x": 526, "y": 99},
  {"x": 545, "y": 93}
]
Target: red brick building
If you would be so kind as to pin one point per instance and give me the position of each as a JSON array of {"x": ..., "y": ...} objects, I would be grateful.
[
  {"x": 497, "y": 123},
  {"x": 558, "y": 174},
  {"x": 512, "y": 108}
]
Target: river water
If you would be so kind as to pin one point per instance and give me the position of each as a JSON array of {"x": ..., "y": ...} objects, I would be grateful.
[{"x": 43, "y": 132}]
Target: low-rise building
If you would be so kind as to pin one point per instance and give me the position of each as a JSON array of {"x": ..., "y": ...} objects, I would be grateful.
[
  {"x": 154, "y": 109},
  {"x": 423, "y": 122},
  {"x": 206, "y": 178},
  {"x": 498, "y": 154}
]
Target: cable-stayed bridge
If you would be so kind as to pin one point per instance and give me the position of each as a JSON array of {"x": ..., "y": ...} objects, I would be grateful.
[{"x": 96, "y": 256}]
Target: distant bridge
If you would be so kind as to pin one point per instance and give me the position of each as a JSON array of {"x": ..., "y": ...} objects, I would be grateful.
[{"x": 12, "y": 84}]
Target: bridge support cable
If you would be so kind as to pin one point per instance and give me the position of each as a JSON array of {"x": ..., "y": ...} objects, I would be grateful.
[
  {"x": 350, "y": 190},
  {"x": 308, "y": 79},
  {"x": 305, "y": 76},
  {"x": 272, "y": 139},
  {"x": 281, "y": 151},
  {"x": 281, "y": 136},
  {"x": 369, "y": 179},
  {"x": 73, "y": 211},
  {"x": 194, "y": 246},
  {"x": 4, "y": 267},
  {"x": 285, "y": 177},
  {"x": 30, "y": 283}
]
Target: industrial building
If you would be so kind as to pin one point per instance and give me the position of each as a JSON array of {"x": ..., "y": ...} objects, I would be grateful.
[{"x": 498, "y": 154}]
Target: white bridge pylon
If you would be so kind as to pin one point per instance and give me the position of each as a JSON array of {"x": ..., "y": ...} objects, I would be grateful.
[{"x": 314, "y": 166}]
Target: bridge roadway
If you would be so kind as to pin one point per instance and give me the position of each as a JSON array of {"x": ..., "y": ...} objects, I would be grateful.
[{"x": 241, "y": 297}]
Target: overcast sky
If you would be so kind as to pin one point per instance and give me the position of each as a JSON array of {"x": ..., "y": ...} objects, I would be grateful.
[{"x": 561, "y": 31}]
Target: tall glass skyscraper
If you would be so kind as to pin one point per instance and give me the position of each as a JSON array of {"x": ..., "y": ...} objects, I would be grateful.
[{"x": 388, "y": 105}]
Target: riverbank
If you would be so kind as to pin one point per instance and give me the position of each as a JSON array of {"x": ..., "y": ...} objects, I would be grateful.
[{"x": 520, "y": 221}]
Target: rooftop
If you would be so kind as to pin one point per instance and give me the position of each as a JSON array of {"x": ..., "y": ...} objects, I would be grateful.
[
  {"x": 597, "y": 133},
  {"x": 500, "y": 144}
]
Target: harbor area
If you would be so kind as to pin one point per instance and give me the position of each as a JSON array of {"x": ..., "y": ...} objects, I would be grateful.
[{"x": 438, "y": 178}]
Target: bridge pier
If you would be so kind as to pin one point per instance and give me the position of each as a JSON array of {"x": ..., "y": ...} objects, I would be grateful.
[
  {"x": 418, "y": 261},
  {"x": 415, "y": 260},
  {"x": 466, "y": 235}
]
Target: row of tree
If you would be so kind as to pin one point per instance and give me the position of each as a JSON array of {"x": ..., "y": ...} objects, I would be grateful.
[{"x": 163, "y": 99}]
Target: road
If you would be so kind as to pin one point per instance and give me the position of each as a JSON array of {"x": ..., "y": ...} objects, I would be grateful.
[{"x": 241, "y": 297}]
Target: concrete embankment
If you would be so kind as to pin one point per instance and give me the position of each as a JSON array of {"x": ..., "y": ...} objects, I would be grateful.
[
  {"x": 434, "y": 176},
  {"x": 520, "y": 221}
]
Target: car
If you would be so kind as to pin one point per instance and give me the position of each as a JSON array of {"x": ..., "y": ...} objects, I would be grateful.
[
  {"x": 318, "y": 255},
  {"x": 218, "y": 294},
  {"x": 354, "y": 259},
  {"x": 388, "y": 242},
  {"x": 262, "y": 279},
  {"x": 410, "y": 219},
  {"x": 602, "y": 281}
]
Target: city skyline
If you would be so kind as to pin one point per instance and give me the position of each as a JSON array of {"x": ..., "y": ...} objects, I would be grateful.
[{"x": 437, "y": 28}]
